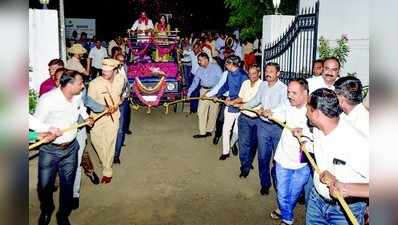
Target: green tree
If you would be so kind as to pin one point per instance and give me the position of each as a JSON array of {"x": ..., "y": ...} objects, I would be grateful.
[{"x": 247, "y": 15}]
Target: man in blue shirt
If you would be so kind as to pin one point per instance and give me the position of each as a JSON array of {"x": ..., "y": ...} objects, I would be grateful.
[
  {"x": 207, "y": 76},
  {"x": 235, "y": 78},
  {"x": 270, "y": 94}
]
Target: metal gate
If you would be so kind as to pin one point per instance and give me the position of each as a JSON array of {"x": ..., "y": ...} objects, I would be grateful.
[{"x": 295, "y": 49}]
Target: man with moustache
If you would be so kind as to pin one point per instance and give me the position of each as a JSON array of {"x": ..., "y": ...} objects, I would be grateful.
[
  {"x": 341, "y": 153},
  {"x": 330, "y": 73},
  {"x": 60, "y": 108},
  {"x": 207, "y": 76},
  {"x": 106, "y": 90},
  {"x": 292, "y": 172},
  {"x": 271, "y": 93}
]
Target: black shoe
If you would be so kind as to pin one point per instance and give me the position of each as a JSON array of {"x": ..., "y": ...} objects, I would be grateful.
[
  {"x": 264, "y": 191},
  {"x": 116, "y": 160},
  {"x": 208, "y": 134},
  {"x": 129, "y": 132},
  {"x": 243, "y": 174},
  {"x": 75, "y": 204},
  {"x": 93, "y": 178},
  {"x": 235, "y": 149},
  {"x": 62, "y": 220},
  {"x": 224, "y": 157},
  {"x": 200, "y": 136},
  {"x": 215, "y": 140},
  {"x": 45, "y": 218}
]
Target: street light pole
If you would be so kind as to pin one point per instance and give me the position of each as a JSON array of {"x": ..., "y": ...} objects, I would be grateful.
[{"x": 62, "y": 41}]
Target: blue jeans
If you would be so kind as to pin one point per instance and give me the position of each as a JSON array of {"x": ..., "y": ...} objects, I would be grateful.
[
  {"x": 123, "y": 128},
  {"x": 53, "y": 160},
  {"x": 290, "y": 184},
  {"x": 308, "y": 186},
  {"x": 247, "y": 130},
  {"x": 268, "y": 135},
  {"x": 322, "y": 211}
]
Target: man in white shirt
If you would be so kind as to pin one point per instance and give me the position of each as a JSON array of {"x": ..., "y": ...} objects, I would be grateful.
[
  {"x": 292, "y": 172},
  {"x": 340, "y": 149},
  {"x": 349, "y": 93},
  {"x": 246, "y": 123},
  {"x": 60, "y": 108},
  {"x": 270, "y": 94},
  {"x": 330, "y": 73},
  {"x": 96, "y": 55},
  {"x": 142, "y": 26}
]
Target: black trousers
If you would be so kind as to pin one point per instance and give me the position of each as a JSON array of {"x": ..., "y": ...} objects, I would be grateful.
[{"x": 220, "y": 120}]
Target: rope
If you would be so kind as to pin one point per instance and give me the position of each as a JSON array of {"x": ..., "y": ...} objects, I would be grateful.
[
  {"x": 167, "y": 104},
  {"x": 318, "y": 171},
  {"x": 75, "y": 126},
  {"x": 303, "y": 148}
]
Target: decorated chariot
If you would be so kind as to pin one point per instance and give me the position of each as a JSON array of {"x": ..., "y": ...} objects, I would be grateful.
[{"x": 154, "y": 71}]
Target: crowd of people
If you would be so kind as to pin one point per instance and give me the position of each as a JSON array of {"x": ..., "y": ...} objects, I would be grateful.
[
  {"x": 327, "y": 111},
  {"x": 74, "y": 93}
]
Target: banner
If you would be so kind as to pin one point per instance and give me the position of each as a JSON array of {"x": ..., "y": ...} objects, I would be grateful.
[{"x": 79, "y": 25}]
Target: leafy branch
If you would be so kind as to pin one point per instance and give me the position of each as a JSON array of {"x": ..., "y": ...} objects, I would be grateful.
[{"x": 340, "y": 52}]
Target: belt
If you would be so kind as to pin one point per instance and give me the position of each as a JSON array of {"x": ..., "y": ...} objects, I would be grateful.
[
  {"x": 348, "y": 200},
  {"x": 63, "y": 145},
  {"x": 244, "y": 114}
]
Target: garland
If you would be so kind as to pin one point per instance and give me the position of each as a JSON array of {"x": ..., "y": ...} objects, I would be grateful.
[
  {"x": 148, "y": 90},
  {"x": 162, "y": 88}
]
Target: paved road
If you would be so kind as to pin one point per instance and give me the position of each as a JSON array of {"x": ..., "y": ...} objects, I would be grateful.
[{"x": 167, "y": 177}]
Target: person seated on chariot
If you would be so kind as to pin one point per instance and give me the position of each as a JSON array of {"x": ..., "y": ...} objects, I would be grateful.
[
  {"x": 162, "y": 30},
  {"x": 143, "y": 26}
]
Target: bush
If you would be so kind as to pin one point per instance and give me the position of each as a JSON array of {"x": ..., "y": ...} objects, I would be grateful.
[
  {"x": 33, "y": 97},
  {"x": 340, "y": 52}
]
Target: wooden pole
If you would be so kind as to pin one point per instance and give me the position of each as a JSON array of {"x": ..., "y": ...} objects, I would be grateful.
[{"x": 75, "y": 126}]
